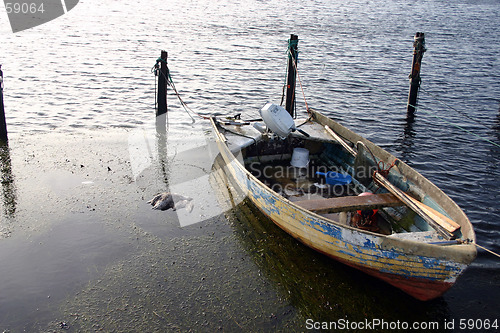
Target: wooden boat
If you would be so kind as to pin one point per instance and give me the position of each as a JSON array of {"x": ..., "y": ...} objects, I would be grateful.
[{"x": 401, "y": 229}]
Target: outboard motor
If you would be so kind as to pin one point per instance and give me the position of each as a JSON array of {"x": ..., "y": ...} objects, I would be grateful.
[{"x": 278, "y": 120}]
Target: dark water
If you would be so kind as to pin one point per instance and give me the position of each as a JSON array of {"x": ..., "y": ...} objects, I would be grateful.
[{"x": 90, "y": 70}]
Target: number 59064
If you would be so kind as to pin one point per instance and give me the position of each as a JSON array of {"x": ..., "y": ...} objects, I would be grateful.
[{"x": 23, "y": 8}]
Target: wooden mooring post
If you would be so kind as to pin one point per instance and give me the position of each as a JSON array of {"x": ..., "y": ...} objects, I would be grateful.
[
  {"x": 161, "y": 101},
  {"x": 3, "y": 123},
  {"x": 418, "y": 53},
  {"x": 292, "y": 74}
]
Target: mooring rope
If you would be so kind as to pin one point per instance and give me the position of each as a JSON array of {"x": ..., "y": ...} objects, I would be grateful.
[
  {"x": 300, "y": 81},
  {"x": 455, "y": 125},
  {"x": 477, "y": 121},
  {"x": 487, "y": 250},
  {"x": 170, "y": 82},
  {"x": 283, "y": 90},
  {"x": 184, "y": 105}
]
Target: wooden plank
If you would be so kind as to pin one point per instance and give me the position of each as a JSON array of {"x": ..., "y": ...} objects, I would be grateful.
[
  {"x": 341, "y": 141},
  {"x": 440, "y": 225},
  {"x": 453, "y": 226},
  {"x": 342, "y": 204}
]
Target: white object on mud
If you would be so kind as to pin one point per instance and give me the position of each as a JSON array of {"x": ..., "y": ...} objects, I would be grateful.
[{"x": 167, "y": 200}]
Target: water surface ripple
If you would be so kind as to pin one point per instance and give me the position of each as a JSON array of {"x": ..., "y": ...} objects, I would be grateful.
[{"x": 91, "y": 69}]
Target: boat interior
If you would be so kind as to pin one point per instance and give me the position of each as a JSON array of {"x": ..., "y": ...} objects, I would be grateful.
[{"x": 297, "y": 168}]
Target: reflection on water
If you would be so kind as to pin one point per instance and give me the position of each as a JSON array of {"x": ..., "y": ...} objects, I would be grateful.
[
  {"x": 161, "y": 136},
  {"x": 9, "y": 196},
  {"x": 406, "y": 141},
  {"x": 96, "y": 74}
]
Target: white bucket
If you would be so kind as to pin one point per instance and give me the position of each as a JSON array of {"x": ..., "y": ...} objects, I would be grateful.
[{"x": 300, "y": 158}]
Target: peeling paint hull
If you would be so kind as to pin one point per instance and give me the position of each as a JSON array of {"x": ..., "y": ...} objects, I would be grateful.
[
  {"x": 424, "y": 271},
  {"x": 420, "y": 288}
]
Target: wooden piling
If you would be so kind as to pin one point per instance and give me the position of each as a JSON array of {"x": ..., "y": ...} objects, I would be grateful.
[
  {"x": 418, "y": 53},
  {"x": 162, "y": 85},
  {"x": 292, "y": 74},
  {"x": 3, "y": 123}
]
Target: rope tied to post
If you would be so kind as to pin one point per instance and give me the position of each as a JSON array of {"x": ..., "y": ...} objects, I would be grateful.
[
  {"x": 170, "y": 82},
  {"x": 292, "y": 59},
  {"x": 292, "y": 43}
]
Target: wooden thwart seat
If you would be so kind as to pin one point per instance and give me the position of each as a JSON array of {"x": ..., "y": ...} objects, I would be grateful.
[
  {"x": 342, "y": 204},
  {"x": 351, "y": 203}
]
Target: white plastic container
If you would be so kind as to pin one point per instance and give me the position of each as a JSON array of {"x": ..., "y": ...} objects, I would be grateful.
[
  {"x": 300, "y": 158},
  {"x": 277, "y": 119}
]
